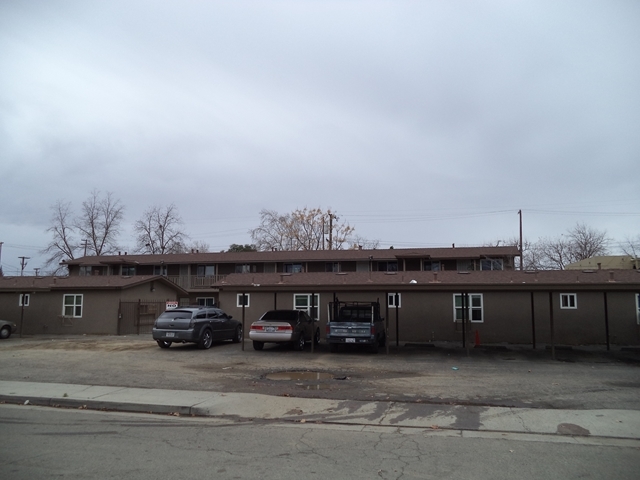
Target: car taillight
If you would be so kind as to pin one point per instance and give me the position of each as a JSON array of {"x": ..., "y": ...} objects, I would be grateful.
[
  {"x": 373, "y": 330},
  {"x": 328, "y": 330},
  {"x": 287, "y": 328},
  {"x": 257, "y": 327}
]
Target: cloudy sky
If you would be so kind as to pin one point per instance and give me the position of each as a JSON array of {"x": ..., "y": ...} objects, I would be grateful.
[{"x": 422, "y": 123}]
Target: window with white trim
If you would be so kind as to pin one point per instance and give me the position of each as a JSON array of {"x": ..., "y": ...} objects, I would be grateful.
[
  {"x": 302, "y": 301},
  {"x": 391, "y": 300},
  {"x": 474, "y": 304},
  {"x": 206, "y": 301},
  {"x": 568, "y": 301},
  {"x": 243, "y": 299},
  {"x": 24, "y": 300},
  {"x": 72, "y": 306}
]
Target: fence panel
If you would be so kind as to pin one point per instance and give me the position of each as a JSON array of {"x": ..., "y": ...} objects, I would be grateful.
[{"x": 138, "y": 317}]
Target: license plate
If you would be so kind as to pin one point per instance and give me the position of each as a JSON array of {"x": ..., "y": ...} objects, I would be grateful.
[
  {"x": 350, "y": 340},
  {"x": 269, "y": 329},
  {"x": 171, "y": 334}
]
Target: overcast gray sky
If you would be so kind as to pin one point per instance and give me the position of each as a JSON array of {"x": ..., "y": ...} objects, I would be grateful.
[{"x": 422, "y": 123}]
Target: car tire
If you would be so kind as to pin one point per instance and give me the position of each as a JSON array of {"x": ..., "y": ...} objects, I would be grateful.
[
  {"x": 206, "y": 340},
  {"x": 258, "y": 345},
  {"x": 237, "y": 338},
  {"x": 299, "y": 345},
  {"x": 163, "y": 343},
  {"x": 5, "y": 332},
  {"x": 316, "y": 337}
]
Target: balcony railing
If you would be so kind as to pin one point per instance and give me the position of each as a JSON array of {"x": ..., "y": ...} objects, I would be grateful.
[{"x": 192, "y": 281}]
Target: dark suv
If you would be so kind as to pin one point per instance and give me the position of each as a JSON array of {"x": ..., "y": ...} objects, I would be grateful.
[{"x": 201, "y": 325}]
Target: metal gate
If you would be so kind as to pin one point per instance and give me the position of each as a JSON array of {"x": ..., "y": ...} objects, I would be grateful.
[{"x": 138, "y": 317}]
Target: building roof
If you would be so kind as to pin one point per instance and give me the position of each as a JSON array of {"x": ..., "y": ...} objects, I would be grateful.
[
  {"x": 107, "y": 282},
  {"x": 605, "y": 262},
  {"x": 301, "y": 256},
  {"x": 498, "y": 279}
]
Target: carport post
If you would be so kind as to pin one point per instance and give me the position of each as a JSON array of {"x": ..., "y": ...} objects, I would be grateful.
[
  {"x": 606, "y": 321},
  {"x": 313, "y": 321},
  {"x": 533, "y": 323},
  {"x": 464, "y": 316},
  {"x": 553, "y": 344},
  {"x": 387, "y": 321},
  {"x": 244, "y": 302},
  {"x": 396, "y": 301}
]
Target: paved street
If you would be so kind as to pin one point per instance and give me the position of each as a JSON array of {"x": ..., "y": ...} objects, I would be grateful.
[{"x": 420, "y": 412}]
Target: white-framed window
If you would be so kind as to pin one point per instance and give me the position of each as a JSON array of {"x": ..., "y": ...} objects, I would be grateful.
[
  {"x": 72, "y": 306},
  {"x": 491, "y": 264},
  {"x": 391, "y": 300},
  {"x": 206, "y": 301},
  {"x": 568, "y": 300},
  {"x": 431, "y": 266},
  {"x": 243, "y": 299},
  {"x": 475, "y": 309},
  {"x": 302, "y": 301},
  {"x": 24, "y": 299},
  {"x": 638, "y": 308}
]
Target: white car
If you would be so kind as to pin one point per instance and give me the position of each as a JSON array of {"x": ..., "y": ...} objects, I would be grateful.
[{"x": 284, "y": 326}]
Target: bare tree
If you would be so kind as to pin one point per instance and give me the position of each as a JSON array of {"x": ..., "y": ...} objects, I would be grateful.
[
  {"x": 63, "y": 246},
  {"x": 631, "y": 246},
  {"x": 302, "y": 229},
  {"x": 358, "y": 242},
  {"x": 587, "y": 242},
  {"x": 99, "y": 222},
  {"x": 158, "y": 231}
]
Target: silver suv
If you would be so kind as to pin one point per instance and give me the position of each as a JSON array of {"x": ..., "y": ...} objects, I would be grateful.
[{"x": 200, "y": 325}]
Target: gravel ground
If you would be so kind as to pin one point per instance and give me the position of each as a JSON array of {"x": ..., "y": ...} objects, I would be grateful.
[{"x": 584, "y": 378}]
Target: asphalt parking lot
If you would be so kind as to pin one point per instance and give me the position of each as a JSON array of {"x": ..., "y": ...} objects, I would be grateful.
[{"x": 516, "y": 376}]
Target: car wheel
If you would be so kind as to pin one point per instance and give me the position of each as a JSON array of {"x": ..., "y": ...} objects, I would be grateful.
[
  {"x": 163, "y": 344},
  {"x": 237, "y": 338},
  {"x": 316, "y": 337},
  {"x": 206, "y": 340},
  {"x": 299, "y": 345},
  {"x": 258, "y": 345},
  {"x": 5, "y": 332}
]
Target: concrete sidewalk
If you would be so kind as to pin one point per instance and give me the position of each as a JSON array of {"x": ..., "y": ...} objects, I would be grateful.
[{"x": 621, "y": 424}]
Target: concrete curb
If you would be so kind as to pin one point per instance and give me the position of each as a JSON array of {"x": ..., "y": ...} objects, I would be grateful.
[{"x": 617, "y": 424}]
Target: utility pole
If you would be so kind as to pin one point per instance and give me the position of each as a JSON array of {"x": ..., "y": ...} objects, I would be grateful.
[
  {"x": 1, "y": 274},
  {"x": 331, "y": 218},
  {"x": 85, "y": 244},
  {"x": 23, "y": 263},
  {"x": 521, "y": 246}
]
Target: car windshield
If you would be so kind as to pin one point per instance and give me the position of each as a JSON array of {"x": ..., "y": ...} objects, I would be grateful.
[
  {"x": 355, "y": 315},
  {"x": 281, "y": 315},
  {"x": 175, "y": 314}
]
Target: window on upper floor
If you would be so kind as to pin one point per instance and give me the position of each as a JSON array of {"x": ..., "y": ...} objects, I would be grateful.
[
  {"x": 431, "y": 266},
  {"x": 491, "y": 264},
  {"x": 205, "y": 270},
  {"x": 160, "y": 270},
  {"x": 388, "y": 266},
  {"x": 84, "y": 271},
  {"x": 245, "y": 268},
  {"x": 292, "y": 268},
  {"x": 128, "y": 270},
  {"x": 332, "y": 267}
]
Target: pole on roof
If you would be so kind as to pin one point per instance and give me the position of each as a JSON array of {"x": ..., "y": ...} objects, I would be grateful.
[
  {"x": 606, "y": 321},
  {"x": 521, "y": 247}
]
